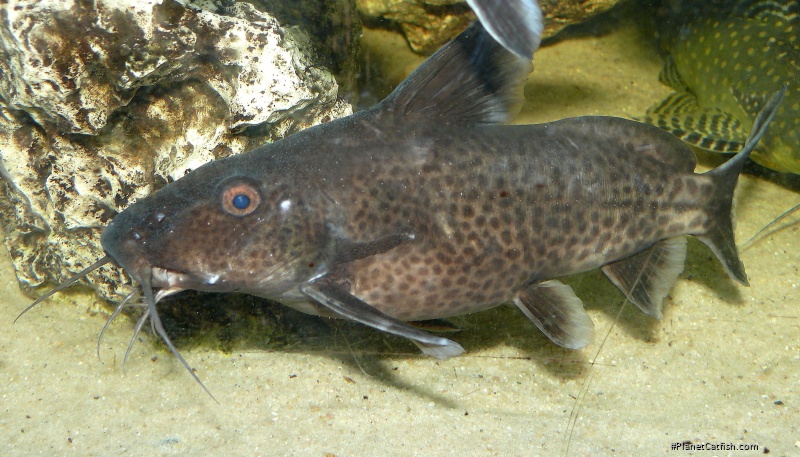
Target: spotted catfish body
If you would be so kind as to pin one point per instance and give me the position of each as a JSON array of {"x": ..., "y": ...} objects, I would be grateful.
[
  {"x": 426, "y": 207},
  {"x": 423, "y": 207},
  {"x": 724, "y": 58}
]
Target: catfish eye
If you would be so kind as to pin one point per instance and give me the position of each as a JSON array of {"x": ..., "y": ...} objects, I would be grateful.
[{"x": 240, "y": 199}]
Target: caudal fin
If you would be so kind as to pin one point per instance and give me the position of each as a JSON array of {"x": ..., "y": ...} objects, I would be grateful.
[{"x": 719, "y": 231}]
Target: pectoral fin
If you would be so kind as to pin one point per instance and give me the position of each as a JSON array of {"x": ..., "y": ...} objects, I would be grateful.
[
  {"x": 348, "y": 250},
  {"x": 707, "y": 128},
  {"x": 558, "y": 313},
  {"x": 647, "y": 277},
  {"x": 337, "y": 299}
]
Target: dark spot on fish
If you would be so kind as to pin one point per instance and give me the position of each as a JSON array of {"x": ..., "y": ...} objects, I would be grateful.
[
  {"x": 506, "y": 237},
  {"x": 692, "y": 187}
]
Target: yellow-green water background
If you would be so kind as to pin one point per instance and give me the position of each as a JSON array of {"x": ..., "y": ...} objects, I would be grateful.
[{"x": 723, "y": 366}]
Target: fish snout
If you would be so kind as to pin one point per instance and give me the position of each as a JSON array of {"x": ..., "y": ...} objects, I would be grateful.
[{"x": 127, "y": 238}]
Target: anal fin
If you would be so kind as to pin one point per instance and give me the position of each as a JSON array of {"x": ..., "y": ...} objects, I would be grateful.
[
  {"x": 558, "y": 313},
  {"x": 647, "y": 277},
  {"x": 338, "y": 299}
]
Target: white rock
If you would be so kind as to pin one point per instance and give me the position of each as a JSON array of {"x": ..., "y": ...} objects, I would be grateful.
[{"x": 103, "y": 102}]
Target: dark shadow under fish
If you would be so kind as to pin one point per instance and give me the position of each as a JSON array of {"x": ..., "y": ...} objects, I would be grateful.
[
  {"x": 725, "y": 58},
  {"x": 424, "y": 207}
]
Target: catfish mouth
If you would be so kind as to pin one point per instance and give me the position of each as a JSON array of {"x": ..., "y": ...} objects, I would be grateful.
[{"x": 167, "y": 281}]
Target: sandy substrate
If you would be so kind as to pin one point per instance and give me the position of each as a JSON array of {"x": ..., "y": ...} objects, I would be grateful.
[{"x": 723, "y": 366}]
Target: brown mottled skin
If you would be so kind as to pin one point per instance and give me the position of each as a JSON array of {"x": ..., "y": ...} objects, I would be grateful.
[
  {"x": 423, "y": 207},
  {"x": 489, "y": 212}
]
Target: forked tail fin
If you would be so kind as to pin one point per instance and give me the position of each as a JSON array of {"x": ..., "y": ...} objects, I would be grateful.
[{"x": 719, "y": 229}]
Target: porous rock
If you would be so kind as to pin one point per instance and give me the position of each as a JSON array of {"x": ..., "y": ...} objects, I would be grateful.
[
  {"x": 104, "y": 101},
  {"x": 428, "y": 24}
]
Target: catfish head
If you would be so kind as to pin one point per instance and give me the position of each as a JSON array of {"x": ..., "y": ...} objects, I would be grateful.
[{"x": 241, "y": 224}]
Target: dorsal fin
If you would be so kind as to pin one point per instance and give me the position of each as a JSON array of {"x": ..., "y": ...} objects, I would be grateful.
[
  {"x": 515, "y": 24},
  {"x": 470, "y": 80}
]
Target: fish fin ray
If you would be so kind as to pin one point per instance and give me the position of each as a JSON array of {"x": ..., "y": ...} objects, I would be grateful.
[
  {"x": 516, "y": 24},
  {"x": 706, "y": 128},
  {"x": 555, "y": 309},
  {"x": 671, "y": 77},
  {"x": 769, "y": 11},
  {"x": 647, "y": 277},
  {"x": 470, "y": 80},
  {"x": 336, "y": 298}
]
